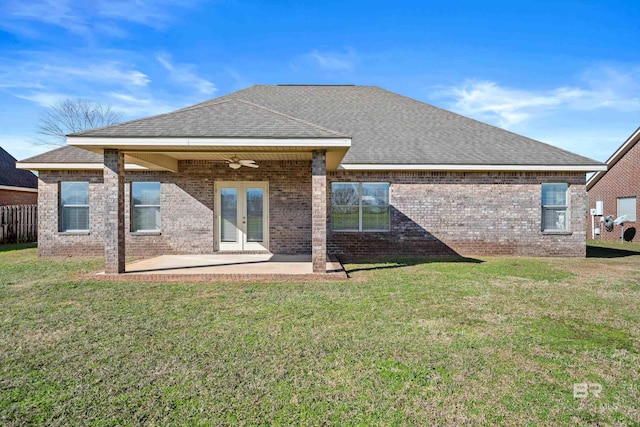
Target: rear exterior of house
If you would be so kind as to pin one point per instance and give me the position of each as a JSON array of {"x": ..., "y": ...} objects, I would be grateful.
[
  {"x": 17, "y": 187},
  {"x": 618, "y": 188},
  {"x": 352, "y": 171}
]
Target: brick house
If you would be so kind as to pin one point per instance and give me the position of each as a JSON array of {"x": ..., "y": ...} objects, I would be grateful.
[
  {"x": 352, "y": 171},
  {"x": 618, "y": 188},
  {"x": 17, "y": 186}
]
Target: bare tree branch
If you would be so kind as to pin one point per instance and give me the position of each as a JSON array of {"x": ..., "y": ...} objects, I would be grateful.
[{"x": 74, "y": 115}]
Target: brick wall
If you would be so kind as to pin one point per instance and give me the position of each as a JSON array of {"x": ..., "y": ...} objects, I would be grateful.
[
  {"x": 10, "y": 197},
  {"x": 436, "y": 213},
  {"x": 186, "y": 205},
  {"x": 622, "y": 180},
  {"x": 433, "y": 213}
]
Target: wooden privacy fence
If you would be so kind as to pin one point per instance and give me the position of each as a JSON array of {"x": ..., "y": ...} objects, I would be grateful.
[{"x": 18, "y": 224}]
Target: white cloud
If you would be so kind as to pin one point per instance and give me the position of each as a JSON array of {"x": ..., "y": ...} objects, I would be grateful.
[
  {"x": 185, "y": 74},
  {"x": 330, "y": 63},
  {"x": 140, "y": 105},
  {"x": 87, "y": 18},
  {"x": 32, "y": 74},
  {"x": 333, "y": 61},
  {"x": 154, "y": 14},
  {"x": 104, "y": 72},
  {"x": 598, "y": 88},
  {"x": 47, "y": 78},
  {"x": 60, "y": 13},
  {"x": 506, "y": 106},
  {"x": 44, "y": 99}
]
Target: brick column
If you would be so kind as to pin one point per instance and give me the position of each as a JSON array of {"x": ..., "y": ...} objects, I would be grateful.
[
  {"x": 319, "y": 211},
  {"x": 114, "y": 211}
]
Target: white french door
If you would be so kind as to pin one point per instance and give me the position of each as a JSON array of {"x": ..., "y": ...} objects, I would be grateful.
[{"x": 242, "y": 215}]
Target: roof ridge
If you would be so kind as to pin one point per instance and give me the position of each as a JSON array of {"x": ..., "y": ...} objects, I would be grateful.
[
  {"x": 308, "y": 123},
  {"x": 217, "y": 100},
  {"x": 3, "y": 152},
  {"x": 214, "y": 102}
]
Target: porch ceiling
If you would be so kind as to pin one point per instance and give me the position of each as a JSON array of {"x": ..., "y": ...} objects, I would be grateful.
[{"x": 164, "y": 153}]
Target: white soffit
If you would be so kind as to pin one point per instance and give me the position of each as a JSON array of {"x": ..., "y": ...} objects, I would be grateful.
[
  {"x": 73, "y": 166},
  {"x": 336, "y": 148}
]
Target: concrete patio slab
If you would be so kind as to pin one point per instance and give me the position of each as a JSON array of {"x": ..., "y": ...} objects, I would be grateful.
[{"x": 217, "y": 266}]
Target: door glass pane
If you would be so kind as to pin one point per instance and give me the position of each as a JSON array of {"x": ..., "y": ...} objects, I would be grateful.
[
  {"x": 229, "y": 214},
  {"x": 254, "y": 215}
]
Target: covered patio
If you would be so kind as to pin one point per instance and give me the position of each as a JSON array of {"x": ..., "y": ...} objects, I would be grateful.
[{"x": 157, "y": 154}]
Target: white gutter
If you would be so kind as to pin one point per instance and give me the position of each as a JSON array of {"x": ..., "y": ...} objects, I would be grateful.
[
  {"x": 11, "y": 188},
  {"x": 208, "y": 142},
  {"x": 472, "y": 168}
]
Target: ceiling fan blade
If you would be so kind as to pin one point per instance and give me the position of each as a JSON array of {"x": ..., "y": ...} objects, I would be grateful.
[
  {"x": 246, "y": 162},
  {"x": 235, "y": 165},
  {"x": 251, "y": 165}
]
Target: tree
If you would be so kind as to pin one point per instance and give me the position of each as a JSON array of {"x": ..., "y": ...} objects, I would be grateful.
[{"x": 74, "y": 115}]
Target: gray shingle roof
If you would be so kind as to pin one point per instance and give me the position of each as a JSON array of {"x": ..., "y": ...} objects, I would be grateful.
[
  {"x": 12, "y": 177},
  {"x": 385, "y": 127},
  {"x": 66, "y": 154},
  {"x": 230, "y": 117}
]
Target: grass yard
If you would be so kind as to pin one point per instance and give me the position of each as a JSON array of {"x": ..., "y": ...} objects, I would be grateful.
[{"x": 502, "y": 341}]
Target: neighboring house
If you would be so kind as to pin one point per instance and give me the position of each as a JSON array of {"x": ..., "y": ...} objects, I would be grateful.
[
  {"x": 355, "y": 171},
  {"x": 17, "y": 186},
  {"x": 618, "y": 188}
]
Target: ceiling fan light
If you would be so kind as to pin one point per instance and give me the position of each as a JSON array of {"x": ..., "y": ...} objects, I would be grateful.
[{"x": 234, "y": 165}]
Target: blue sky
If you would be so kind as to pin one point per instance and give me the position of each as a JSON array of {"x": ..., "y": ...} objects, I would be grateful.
[{"x": 564, "y": 72}]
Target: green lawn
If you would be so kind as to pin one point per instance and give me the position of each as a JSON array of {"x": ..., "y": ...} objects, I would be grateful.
[{"x": 483, "y": 342}]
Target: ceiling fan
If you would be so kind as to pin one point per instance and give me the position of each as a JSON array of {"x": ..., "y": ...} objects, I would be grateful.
[{"x": 235, "y": 163}]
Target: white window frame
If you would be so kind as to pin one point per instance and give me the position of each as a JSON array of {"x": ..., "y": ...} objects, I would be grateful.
[
  {"x": 62, "y": 207},
  {"x": 630, "y": 218},
  {"x": 360, "y": 206},
  {"x": 565, "y": 207},
  {"x": 134, "y": 206}
]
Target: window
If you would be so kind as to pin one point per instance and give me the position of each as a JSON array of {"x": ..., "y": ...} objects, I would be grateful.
[
  {"x": 145, "y": 206},
  {"x": 360, "y": 206},
  {"x": 554, "y": 207},
  {"x": 627, "y": 206},
  {"x": 74, "y": 206}
]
